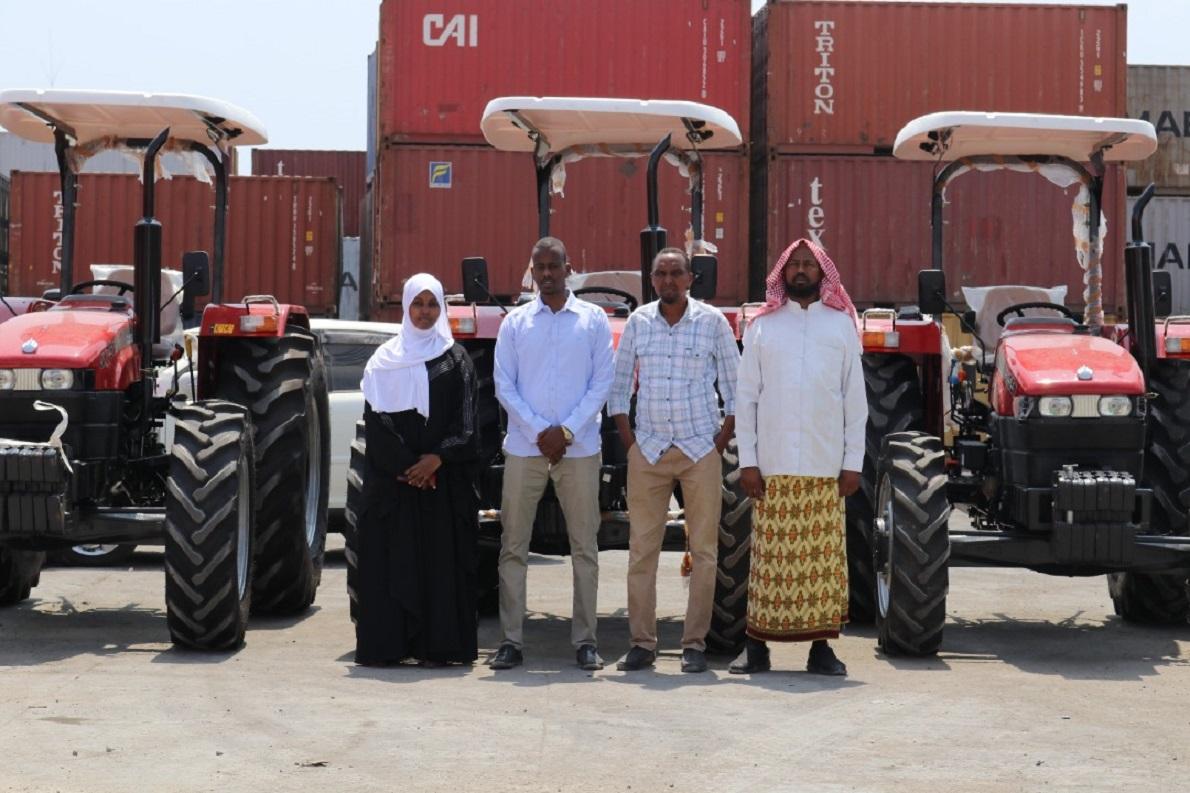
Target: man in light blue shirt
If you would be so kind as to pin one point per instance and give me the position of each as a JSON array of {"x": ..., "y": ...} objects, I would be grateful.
[{"x": 553, "y": 370}]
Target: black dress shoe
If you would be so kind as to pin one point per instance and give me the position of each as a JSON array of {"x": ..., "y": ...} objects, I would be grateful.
[
  {"x": 637, "y": 658},
  {"x": 754, "y": 658},
  {"x": 694, "y": 660},
  {"x": 822, "y": 661},
  {"x": 588, "y": 658},
  {"x": 506, "y": 657}
]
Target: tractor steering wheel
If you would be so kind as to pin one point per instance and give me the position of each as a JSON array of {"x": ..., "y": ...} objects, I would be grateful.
[
  {"x": 78, "y": 288},
  {"x": 629, "y": 298},
  {"x": 1019, "y": 310}
]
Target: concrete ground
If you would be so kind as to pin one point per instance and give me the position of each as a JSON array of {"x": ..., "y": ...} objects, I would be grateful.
[{"x": 1038, "y": 687}]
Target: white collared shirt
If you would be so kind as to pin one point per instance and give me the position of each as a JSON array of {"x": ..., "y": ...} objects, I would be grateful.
[
  {"x": 801, "y": 408},
  {"x": 553, "y": 369}
]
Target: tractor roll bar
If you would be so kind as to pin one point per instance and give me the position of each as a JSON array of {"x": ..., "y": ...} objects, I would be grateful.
[
  {"x": 1093, "y": 177},
  {"x": 652, "y": 237},
  {"x": 146, "y": 261},
  {"x": 69, "y": 181},
  {"x": 219, "y": 162}
]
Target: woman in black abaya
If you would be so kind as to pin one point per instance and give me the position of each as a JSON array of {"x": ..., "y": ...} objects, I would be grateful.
[{"x": 417, "y": 528}]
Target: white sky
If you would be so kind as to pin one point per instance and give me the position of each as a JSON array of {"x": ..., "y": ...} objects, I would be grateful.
[{"x": 299, "y": 65}]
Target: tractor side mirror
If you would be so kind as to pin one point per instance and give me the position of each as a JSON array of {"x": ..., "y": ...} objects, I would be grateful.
[
  {"x": 705, "y": 269},
  {"x": 196, "y": 280},
  {"x": 475, "y": 280},
  {"x": 1162, "y": 293},
  {"x": 931, "y": 291}
]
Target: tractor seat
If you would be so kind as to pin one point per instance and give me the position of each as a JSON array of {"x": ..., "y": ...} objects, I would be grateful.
[
  {"x": 988, "y": 301},
  {"x": 1060, "y": 324},
  {"x": 171, "y": 315}
]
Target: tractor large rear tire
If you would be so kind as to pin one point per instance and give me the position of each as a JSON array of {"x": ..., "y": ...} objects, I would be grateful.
[
  {"x": 20, "y": 571},
  {"x": 210, "y": 504},
  {"x": 282, "y": 381},
  {"x": 355, "y": 496},
  {"x": 729, "y": 618},
  {"x": 912, "y": 544},
  {"x": 1161, "y": 598},
  {"x": 894, "y": 405}
]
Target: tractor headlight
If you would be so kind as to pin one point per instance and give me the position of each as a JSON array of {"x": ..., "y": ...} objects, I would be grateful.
[
  {"x": 8, "y": 380},
  {"x": 1115, "y": 406},
  {"x": 1055, "y": 406},
  {"x": 57, "y": 379}
]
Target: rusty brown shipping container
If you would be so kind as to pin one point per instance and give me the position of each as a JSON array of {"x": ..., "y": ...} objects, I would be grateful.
[
  {"x": 345, "y": 167},
  {"x": 844, "y": 77},
  {"x": 282, "y": 232},
  {"x": 873, "y": 216},
  {"x": 440, "y": 65},
  {"x": 435, "y": 205},
  {"x": 1161, "y": 95}
]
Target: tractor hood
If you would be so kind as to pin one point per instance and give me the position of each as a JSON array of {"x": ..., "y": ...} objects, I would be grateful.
[
  {"x": 1055, "y": 363},
  {"x": 63, "y": 339}
]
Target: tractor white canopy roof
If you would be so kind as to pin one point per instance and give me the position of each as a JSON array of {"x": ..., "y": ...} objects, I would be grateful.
[
  {"x": 954, "y": 135},
  {"x": 89, "y": 116},
  {"x": 518, "y": 123}
]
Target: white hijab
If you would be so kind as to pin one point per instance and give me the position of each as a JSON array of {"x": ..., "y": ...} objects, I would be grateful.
[{"x": 395, "y": 378}]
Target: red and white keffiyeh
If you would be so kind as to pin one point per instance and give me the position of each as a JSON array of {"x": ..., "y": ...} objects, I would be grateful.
[{"x": 831, "y": 291}]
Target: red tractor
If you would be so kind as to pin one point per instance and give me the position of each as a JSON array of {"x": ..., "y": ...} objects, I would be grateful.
[
  {"x": 1064, "y": 441},
  {"x": 558, "y": 131},
  {"x": 229, "y": 474}
]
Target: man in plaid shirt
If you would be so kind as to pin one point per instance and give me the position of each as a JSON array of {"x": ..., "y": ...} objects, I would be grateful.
[{"x": 677, "y": 348}]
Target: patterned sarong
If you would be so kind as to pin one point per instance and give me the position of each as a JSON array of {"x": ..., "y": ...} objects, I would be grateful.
[{"x": 797, "y": 587}]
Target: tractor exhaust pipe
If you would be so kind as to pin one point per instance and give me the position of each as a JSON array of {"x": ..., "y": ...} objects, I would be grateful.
[
  {"x": 652, "y": 237},
  {"x": 146, "y": 259},
  {"x": 1138, "y": 270}
]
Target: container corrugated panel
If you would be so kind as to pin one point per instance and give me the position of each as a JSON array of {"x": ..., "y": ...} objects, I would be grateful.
[
  {"x": 441, "y": 64},
  {"x": 1167, "y": 227},
  {"x": 346, "y": 167},
  {"x": 873, "y": 216},
  {"x": 282, "y": 232},
  {"x": 373, "y": 132},
  {"x": 5, "y": 189},
  {"x": 1161, "y": 95},
  {"x": 366, "y": 251},
  {"x": 437, "y": 205},
  {"x": 849, "y": 75}
]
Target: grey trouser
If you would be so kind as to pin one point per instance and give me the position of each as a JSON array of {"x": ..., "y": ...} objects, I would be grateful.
[{"x": 576, "y": 483}]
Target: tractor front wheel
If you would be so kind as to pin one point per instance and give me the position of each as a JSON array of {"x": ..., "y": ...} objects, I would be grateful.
[
  {"x": 210, "y": 506},
  {"x": 729, "y": 617},
  {"x": 20, "y": 571},
  {"x": 912, "y": 545}
]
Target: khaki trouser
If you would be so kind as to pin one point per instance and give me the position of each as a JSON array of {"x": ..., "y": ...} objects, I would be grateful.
[
  {"x": 649, "y": 490},
  {"x": 576, "y": 483}
]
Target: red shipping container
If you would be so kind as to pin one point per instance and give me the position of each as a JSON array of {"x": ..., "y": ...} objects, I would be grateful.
[
  {"x": 435, "y": 205},
  {"x": 873, "y": 216},
  {"x": 848, "y": 76},
  {"x": 345, "y": 167},
  {"x": 441, "y": 64},
  {"x": 282, "y": 233}
]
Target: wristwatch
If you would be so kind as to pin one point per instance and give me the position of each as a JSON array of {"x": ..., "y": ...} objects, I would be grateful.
[{"x": 568, "y": 435}]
